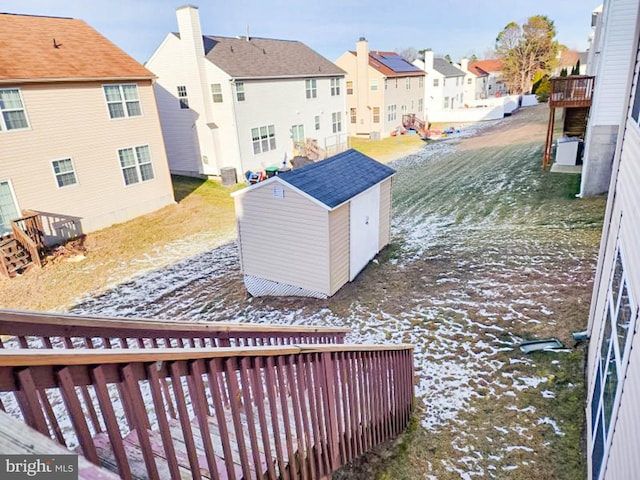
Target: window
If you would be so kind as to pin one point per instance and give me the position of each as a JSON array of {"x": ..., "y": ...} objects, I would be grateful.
[
  {"x": 635, "y": 111},
  {"x": 373, "y": 84},
  {"x": 239, "y": 91},
  {"x": 446, "y": 102},
  {"x": 182, "y": 97},
  {"x": 316, "y": 120},
  {"x": 619, "y": 321},
  {"x": 136, "y": 164},
  {"x": 297, "y": 133},
  {"x": 403, "y": 109},
  {"x": 349, "y": 88},
  {"x": 13, "y": 115},
  {"x": 391, "y": 113},
  {"x": 469, "y": 81},
  {"x": 336, "y": 122},
  {"x": 123, "y": 100},
  {"x": 396, "y": 83},
  {"x": 407, "y": 83},
  {"x": 376, "y": 114},
  {"x": 216, "y": 92},
  {"x": 311, "y": 89},
  {"x": 64, "y": 172},
  {"x": 335, "y": 87},
  {"x": 352, "y": 114},
  {"x": 436, "y": 82},
  {"x": 420, "y": 82},
  {"x": 386, "y": 83},
  {"x": 263, "y": 138},
  {"x": 420, "y": 105}
]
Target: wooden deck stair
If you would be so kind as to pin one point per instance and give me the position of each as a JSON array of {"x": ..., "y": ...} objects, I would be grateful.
[
  {"x": 157, "y": 399},
  {"x": 14, "y": 258}
]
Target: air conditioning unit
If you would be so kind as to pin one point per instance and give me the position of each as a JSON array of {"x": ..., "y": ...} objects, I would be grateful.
[{"x": 374, "y": 135}]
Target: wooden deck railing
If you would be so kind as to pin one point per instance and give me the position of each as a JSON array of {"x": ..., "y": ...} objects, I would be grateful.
[
  {"x": 573, "y": 91},
  {"x": 45, "y": 330},
  {"x": 29, "y": 233},
  {"x": 255, "y": 412}
]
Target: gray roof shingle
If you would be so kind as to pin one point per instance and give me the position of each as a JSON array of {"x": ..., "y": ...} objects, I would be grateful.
[
  {"x": 445, "y": 67},
  {"x": 267, "y": 58},
  {"x": 339, "y": 178}
]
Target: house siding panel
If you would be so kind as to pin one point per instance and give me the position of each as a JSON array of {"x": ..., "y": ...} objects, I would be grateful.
[
  {"x": 72, "y": 121},
  {"x": 385, "y": 214},
  {"x": 622, "y": 226},
  {"x": 300, "y": 244},
  {"x": 339, "y": 247}
]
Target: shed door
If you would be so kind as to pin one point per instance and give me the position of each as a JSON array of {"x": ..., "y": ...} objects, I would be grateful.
[{"x": 364, "y": 228}]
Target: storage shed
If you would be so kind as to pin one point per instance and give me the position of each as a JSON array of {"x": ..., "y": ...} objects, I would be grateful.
[{"x": 309, "y": 231}]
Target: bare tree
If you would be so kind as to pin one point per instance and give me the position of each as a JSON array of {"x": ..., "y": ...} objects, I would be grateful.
[
  {"x": 408, "y": 53},
  {"x": 526, "y": 49}
]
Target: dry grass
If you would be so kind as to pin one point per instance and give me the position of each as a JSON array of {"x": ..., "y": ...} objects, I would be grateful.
[
  {"x": 112, "y": 254},
  {"x": 388, "y": 149}
]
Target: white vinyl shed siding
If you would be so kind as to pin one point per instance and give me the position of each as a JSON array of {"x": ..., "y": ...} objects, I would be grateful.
[
  {"x": 339, "y": 247},
  {"x": 289, "y": 232},
  {"x": 385, "y": 214}
]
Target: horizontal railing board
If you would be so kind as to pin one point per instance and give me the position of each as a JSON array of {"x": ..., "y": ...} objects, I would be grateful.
[{"x": 42, "y": 357}]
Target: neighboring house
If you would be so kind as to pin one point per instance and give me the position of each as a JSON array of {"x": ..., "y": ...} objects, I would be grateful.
[
  {"x": 79, "y": 131},
  {"x": 445, "y": 85},
  {"x": 612, "y": 57},
  {"x": 309, "y": 231},
  {"x": 613, "y": 366},
  {"x": 381, "y": 88},
  {"x": 476, "y": 82},
  {"x": 493, "y": 67},
  {"x": 244, "y": 103},
  {"x": 568, "y": 59}
]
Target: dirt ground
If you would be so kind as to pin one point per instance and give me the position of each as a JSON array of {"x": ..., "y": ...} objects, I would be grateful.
[{"x": 487, "y": 251}]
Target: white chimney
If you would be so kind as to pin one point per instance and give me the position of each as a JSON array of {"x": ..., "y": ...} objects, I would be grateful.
[
  {"x": 464, "y": 64},
  {"x": 428, "y": 60},
  {"x": 189, "y": 28},
  {"x": 362, "y": 80}
]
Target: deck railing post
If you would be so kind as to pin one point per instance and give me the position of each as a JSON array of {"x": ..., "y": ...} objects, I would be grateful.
[{"x": 332, "y": 407}]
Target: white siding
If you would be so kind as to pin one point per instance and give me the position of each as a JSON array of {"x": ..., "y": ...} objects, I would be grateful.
[
  {"x": 622, "y": 225},
  {"x": 385, "y": 214},
  {"x": 72, "y": 121}
]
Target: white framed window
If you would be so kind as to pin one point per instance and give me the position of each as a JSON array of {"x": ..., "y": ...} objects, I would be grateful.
[
  {"x": 336, "y": 122},
  {"x": 436, "y": 82},
  {"x": 469, "y": 80},
  {"x": 373, "y": 84},
  {"x": 335, "y": 87},
  {"x": 407, "y": 83},
  {"x": 391, "y": 113},
  {"x": 352, "y": 115},
  {"x": 12, "y": 112},
  {"x": 386, "y": 82},
  {"x": 420, "y": 82},
  {"x": 183, "y": 98},
  {"x": 297, "y": 133},
  {"x": 376, "y": 114},
  {"x": 446, "y": 102},
  {"x": 136, "y": 165},
  {"x": 420, "y": 105},
  {"x": 311, "y": 88},
  {"x": 263, "y": 138},
  {"x": 216, "y": 92},
  {"x": 64, "y": 172},
  {"x": 396, "y": 83},
  {"x": 620, "y": 318},
  {"x": 349, "y": 87},
  {"x": 123, "y": 100},
  {"x": 316, "y": 121},
  {"x": 240, "y": 91}
]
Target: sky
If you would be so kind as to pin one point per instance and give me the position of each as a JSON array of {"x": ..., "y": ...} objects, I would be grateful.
[{"x": 330, "y": 27}]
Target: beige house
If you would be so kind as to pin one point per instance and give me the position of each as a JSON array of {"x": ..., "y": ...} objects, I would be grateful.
[
  {"x": 79, "y": 129},
  {"x": 309, "y": 231},
  {"x": 381, "y": 88}
]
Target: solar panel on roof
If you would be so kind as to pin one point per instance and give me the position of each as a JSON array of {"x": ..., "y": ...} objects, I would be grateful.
[{"x": 396, "y": 63}]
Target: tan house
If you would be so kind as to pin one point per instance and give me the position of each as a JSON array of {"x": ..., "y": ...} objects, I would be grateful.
[
  {"x": 79, "y": 129},
  {"x": 381, "y": 88},
  {"x": 309, "y": 231}
]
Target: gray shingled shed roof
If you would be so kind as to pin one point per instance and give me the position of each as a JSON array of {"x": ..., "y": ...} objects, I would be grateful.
[
  {"x": 267, "y": 58},
  {"x": 445, "y": 67},
  {"x": 337, "y": 179}
]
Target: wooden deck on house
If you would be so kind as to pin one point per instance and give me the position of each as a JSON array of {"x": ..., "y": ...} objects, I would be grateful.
[{"x": 150, "y": 399}]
